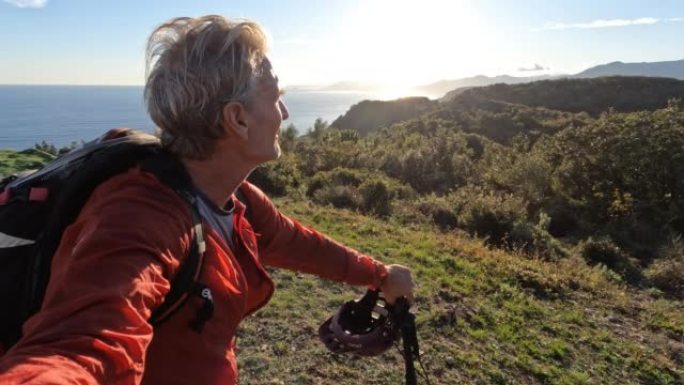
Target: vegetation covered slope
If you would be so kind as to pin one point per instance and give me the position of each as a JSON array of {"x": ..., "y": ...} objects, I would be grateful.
[
  {"x": 545, "y": 258},
  {"x": 526, "y": 104},
  {"x": 485, "y": 316},
  {"x": 548, "y": 245},
  {"x": 11, "y": 161},
  {"x": 607, "y": 188},
  {"x": 370, "y": 115},
  {"x": 622, "y": 93}
]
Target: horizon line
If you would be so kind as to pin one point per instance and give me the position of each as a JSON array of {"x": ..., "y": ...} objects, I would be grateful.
[{"x": 524, "y": 74}]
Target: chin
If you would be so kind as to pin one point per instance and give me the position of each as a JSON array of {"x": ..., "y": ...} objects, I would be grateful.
[{"x": 270, "y": 157}]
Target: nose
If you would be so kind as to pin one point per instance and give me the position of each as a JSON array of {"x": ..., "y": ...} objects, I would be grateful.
[{"x": 283, "y": 110}]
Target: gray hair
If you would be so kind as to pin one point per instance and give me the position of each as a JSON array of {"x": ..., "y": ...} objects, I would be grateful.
[{"x": 194, "y": 67}]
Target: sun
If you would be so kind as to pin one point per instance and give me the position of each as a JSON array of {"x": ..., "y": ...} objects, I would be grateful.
[{"x": 402, "y": 44}]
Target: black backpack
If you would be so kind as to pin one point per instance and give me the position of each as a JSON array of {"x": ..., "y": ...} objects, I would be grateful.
[{"x": 35, "y": 209}]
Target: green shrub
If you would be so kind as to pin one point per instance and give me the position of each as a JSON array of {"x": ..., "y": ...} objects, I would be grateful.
[
  {"x": 667, "y": 275},
  {"x": 529, "y": 177},
  {"x": 407, "y": 215},
  {"x": 617, "y": 171},
  {"x": 439, "y": 210},
  {"x": 501, "y": 218},
  {"x": 375, "y": 198},
  {"x": 544, "y": 244},
  {"x": 371, "y": 192},
  {"x": 605, "y": 252},
  {"x": 338, "y": 196},
  {"x": 667, "y": 272},
  {"x": 338, "y": 176}
]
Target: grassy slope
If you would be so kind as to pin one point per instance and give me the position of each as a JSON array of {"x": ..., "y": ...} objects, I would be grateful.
[
  {"x": 12, "y": 161},
  {"x": 484, "y": 317}
]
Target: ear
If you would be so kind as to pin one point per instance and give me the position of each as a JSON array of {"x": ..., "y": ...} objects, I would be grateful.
[{"x": 233, "y": 120}]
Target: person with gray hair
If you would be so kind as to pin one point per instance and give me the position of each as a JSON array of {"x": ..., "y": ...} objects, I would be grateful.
[{"x": 213, "y": 93}]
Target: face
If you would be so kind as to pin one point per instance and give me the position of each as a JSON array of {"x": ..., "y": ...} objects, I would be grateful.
[{"x": 264, "y": 113}]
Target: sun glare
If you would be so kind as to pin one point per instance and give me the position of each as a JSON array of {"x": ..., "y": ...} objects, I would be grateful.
[
  {"x": 389, "y": 92},
  {"x": 408, "y": 43}
]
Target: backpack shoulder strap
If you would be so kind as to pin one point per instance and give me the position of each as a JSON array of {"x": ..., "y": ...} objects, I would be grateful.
[{"x": 185, "y": 282}]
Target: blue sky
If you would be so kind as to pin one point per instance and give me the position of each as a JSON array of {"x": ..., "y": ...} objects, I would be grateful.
[{"x": 386, "y": 41}]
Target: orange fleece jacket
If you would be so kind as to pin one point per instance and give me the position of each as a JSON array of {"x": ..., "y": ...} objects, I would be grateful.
[{"x": 113, "y": 268}]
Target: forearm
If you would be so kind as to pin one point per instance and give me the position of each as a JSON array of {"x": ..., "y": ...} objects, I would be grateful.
[
  {"x": 311, "y": 252},
  {"x": 90, "y": 331},
  {"x": 283, "y": 242}
]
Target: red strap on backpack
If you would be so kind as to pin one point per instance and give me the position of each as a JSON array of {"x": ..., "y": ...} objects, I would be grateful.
[
  {"x": 4, "y": 196},
  {"x": 38, "y": 194}
]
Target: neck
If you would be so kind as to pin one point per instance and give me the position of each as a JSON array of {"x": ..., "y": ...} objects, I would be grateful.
[{"x": 219, "y": 176}]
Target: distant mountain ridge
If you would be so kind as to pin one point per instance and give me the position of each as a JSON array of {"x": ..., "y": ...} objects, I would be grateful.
[
  {"x": 440, "y": 89},
  {"x": 443, "y": 87},
  {"x": 664, "y": 69}
]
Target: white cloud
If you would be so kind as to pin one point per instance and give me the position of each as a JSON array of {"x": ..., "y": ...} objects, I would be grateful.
[
  {"x": 601, "y": 23},
  {"x": 533, "y": 68},
  {"x": 27, "y": 3}
]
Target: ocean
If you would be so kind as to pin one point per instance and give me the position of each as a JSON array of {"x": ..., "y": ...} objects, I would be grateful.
[{"x": 61, "y": 115}]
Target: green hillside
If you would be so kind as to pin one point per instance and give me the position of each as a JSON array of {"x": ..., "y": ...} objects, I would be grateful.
[
  {"x": 548, "y": 244},
  {"x": 485, "y": 316},
  {"x": 370, "y": 115},
  {"x": 502, "y": 111},
  {"x": 622, "y": 93},
  {"x": 11, "y": 161}
]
